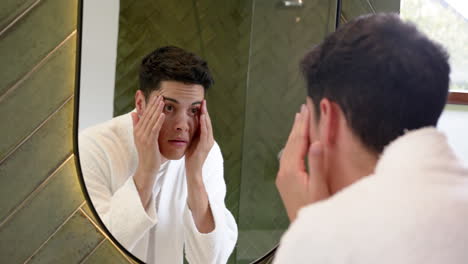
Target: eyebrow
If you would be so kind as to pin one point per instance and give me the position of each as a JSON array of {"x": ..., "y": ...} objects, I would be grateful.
[{"x": 177, "y": 102}]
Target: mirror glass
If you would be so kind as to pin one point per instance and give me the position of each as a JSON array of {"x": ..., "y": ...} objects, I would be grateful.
[{"x": 252, "y": 48}]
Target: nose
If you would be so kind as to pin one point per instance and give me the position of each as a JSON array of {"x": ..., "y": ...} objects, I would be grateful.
[{"x": 182, "y": 124}]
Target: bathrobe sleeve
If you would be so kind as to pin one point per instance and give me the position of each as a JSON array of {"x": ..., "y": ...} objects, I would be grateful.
[
  {"x": 216, "y": 246},
  {"x": 121, "y": 209}
]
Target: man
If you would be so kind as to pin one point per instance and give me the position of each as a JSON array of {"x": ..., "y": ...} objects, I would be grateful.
[
  {"x": 383, "y": 185},
  {"x": 155, "y": 176}
]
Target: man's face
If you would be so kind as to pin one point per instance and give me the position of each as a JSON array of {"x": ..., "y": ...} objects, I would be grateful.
[{"x": 182, "y": 107}]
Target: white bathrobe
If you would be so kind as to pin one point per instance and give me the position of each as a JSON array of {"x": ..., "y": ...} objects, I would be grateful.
[
  {"x": 109, "y": 159},
  {"x": 413, "y": 209}
]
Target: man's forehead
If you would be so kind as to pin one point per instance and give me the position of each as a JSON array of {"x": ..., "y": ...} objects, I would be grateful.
[
  {"x": 174, "y": 100},
  {"x": 181, "y": 87},
  {"x": 181, "y": 93}
]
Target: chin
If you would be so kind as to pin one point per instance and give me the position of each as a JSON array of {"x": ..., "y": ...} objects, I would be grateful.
[{"x": 173, "y": 155}]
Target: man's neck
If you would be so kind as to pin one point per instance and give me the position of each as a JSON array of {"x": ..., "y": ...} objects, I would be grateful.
[{"x": 353, "y": 164}]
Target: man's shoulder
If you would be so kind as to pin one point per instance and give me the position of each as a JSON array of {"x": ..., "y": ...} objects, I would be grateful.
[
  {"x": 109, "y": 127},
  {"x": 343, "y": 212},
  {"x": 215, "y": 154},
  {"x": 363, "y": 219},
  {"x": 325, "y": 230},
  {"x": 110, "y": 136}
]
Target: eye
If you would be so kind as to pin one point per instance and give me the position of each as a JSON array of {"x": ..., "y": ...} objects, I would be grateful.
[
  {"x": 168, "y": 108},
  {"x": 194, "y": 111}
]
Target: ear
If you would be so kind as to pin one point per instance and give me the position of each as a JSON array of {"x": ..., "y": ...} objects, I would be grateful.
[
  {"x": 329, "y": 121},
  {"x": 140, "y": 102}
]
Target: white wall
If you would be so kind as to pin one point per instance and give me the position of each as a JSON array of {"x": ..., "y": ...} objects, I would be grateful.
[
  {"x": 454, "y": 122},
  {"x": 98, "y": 61}
]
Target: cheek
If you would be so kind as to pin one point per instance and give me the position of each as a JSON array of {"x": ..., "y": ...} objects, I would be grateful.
[
  {"x": 194, "y": 125},
  {"x": 165, "y": 126},
  {"x": 164, "y": 133}
]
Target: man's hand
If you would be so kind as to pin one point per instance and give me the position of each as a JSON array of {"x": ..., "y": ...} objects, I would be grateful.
[
  {"x": 197, "y": 197},
  {"x": 297, "y": 187},
  {"x": 145, "y": 133},
  {"x": 201, "y": 145}
]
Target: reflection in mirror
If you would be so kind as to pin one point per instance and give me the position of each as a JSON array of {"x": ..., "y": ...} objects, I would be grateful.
[
  {"x": 155, "y": 174},
  {"x": 181, "y": 165}
]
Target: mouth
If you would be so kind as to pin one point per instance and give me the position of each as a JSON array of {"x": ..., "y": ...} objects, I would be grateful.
[{"x": 178, "y": 142}]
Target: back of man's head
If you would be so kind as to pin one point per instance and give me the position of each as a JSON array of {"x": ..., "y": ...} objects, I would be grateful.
[{"x": 385, "y": 75}]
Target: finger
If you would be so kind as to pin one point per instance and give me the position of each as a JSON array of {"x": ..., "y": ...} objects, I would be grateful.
[
  {"x": 293, "y": 129},
  {"x": 135, "y": 119},
  {"x": 153, "y": 109},
  {"x": 294, "y": 137},
  {"x": 289, "y": 147},
  {"x": 203, "y": 128},
  {"x": 301, "y": 139},
  {"x": 147, "y": 113},
  {"x": 148, "y": 108},
  {"x": 304, "y": 120},
  {"x": 202, "y": 107},
  {"x": 209, "y": 126},
  {"x": 200, "y": 118},
  {"x": 298, "y": 128},
  {"x": 306, "y": 125},
  {"x": 155, "y": 117},
  {"x": 315, "y": 160},
  {"x": 289, "y": 151},
  {"x": 296, "y": 147},
  {"x": 157, "y": 126},
  {"x": 150, "y": 112}
]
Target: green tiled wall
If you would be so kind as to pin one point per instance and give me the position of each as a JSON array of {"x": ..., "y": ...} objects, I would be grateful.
[{"x": 42, "y": 207}]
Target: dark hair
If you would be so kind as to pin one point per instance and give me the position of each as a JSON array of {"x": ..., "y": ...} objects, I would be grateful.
[
  {"x": 173, "y": 64},
  {"x": 386, "y": 76}
]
